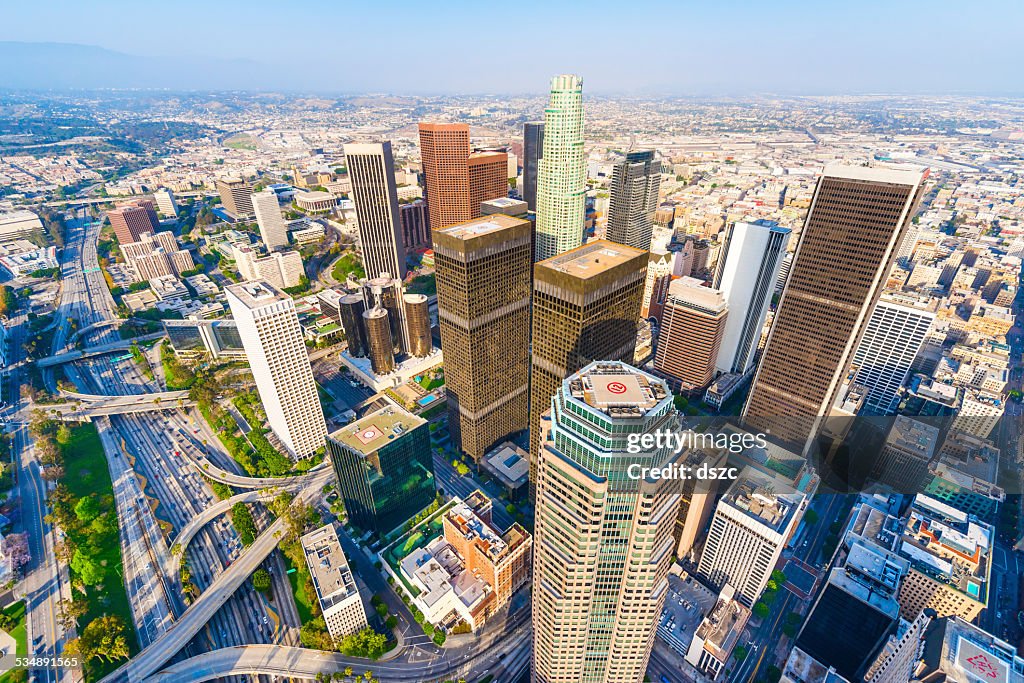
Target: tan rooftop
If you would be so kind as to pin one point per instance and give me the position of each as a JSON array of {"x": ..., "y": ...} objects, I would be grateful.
[
  {"x": 480, "y": 226},
  {"x": 590, "y": 259},
  {"x": 375, "y": 430}
]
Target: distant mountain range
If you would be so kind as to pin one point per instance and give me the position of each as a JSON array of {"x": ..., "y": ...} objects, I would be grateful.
[{"x": 62, "y": 66}]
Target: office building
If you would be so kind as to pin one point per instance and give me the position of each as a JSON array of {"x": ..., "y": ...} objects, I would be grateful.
[
  {"x": 131, "y": 221},
  {"x": 336, "y": 591},
  {"x": 156, "y": 254},
  {"x": 330, "y": 304},
  {"x": 483, "y": 308},
  {"x": 282, "y": 269},
  {"x": 697, "y": 502},
  {"x": 506, "y": 206},
  {"x": 273, "y": 227},
  {"x": 902, "y": 652},
  {"x": 379, "y": 343},
  {"x": 386, "y": 292},
  {"x": 165, "y": 202},
  {"x": 415, "y": 228},
  {"x": 858, "y": 601},
  {"x": 634, "y": 199},
  {"x": 950, "y": 556},
  {"x": 23, "y": 223},
  {"x": 586, "y": 303},
  {"x": 692, "y": 326},
  {"x": 561, "y": 171},
  {"x": 748, "y": 268},
  {"x": 718, "y": 634},
  {"x": 375, "y": 195},
  {"x": 603, "y": 540},
  {"x": 533, "y": 149},
  {"x": 417, "y": 319},
  {"x": 953, "y": 650},
  {"x": 894, "y": 335},
  {"x": 456, "y": 179},
  {"x": 272, "y": 337},
  {"x": 350, "y": 310},
  {"x": 903, "y": 463},
  {"x": 752, "y": 524},
  {"x": 857, "y": 220},
  {"x": 384, "y": 468},
  {"x": 235, "y": 197}
]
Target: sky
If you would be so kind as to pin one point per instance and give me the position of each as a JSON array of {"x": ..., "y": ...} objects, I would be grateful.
[{"x": 627, "y": 47}]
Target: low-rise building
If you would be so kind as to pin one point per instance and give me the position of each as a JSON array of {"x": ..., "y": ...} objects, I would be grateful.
[
  {"x": 168, "y": 288},
  {"x": 510, "y": 465},
  {"x": 316, "y": 201},
  {"x": 717, "y": 635}
]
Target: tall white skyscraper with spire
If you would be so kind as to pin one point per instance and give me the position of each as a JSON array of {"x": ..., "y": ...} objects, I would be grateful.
[{"x": 562, "y": 171}]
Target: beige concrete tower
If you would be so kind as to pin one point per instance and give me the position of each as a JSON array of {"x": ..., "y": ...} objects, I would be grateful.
[{"x": 603, "y": 540}]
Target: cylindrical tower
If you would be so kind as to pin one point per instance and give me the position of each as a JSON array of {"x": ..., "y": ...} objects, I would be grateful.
[
  {"x": 417, "y": 318},
  {"x": 350, "y": 310},
  {"x": 378, "y": 334}
]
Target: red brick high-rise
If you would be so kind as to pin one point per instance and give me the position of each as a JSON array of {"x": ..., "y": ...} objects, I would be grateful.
[
  {"x": 130, "y": 221},
  {"x": 456, "y": 179}
]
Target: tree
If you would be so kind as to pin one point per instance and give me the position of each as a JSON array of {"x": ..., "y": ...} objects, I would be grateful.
[
  {"x": 88, "y": 570},
  {"x": 15, "y": 547},
  {"x": 811, "y": 517},
  {"x": 106, "y": 638},
  {"x": 87, "y": 509},
  {"x": 261, "y": 580},
  {"x": 760, "y": 609},
  {"x": 71, "y": 611}
]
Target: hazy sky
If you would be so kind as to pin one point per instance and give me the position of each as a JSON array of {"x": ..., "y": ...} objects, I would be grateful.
[{"x": 628, "y": 46}]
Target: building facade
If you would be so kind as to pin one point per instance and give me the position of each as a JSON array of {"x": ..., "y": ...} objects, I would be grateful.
[
  {"x": 483, "y": 304},
  {"x": 133, "y": 220},
  {"x": 274, "y": 345},
  {"x": 586, "y": 304},
  {"x": 847, "y": 247},
  {"x": 335, "y": 585},
  {"x": 603, "y": 540},
  {"x": 747, "y": 271},
  {"x": 235, "y": 197},
  {"x": 561, "y": 171},
  {"x": 375, "y": 195},
  {"x": 533, "y": 149},
  {"x": 692, "y": 326},
  {"x": 634, "y": 199},
  {"x": 273, "y": 227}
]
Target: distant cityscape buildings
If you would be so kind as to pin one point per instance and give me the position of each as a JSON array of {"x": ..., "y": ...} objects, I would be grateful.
[
  {"x": 273, "y": 228},
  {"x": 235, "y": 197}
]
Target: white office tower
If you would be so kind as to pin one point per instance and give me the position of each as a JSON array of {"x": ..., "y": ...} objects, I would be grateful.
[
  {"x": 748, "y": 269},
  {"x": 340, "y": 604},
  {"x": 272, "y": 339},
  {"x": 894, "y": 336},
  {"x": 165, "y": 202},
  {"x": 561, "y": 171},
  {"x": 751, "y": 526},
  {"x": 375, "y": 195},
  {"x": 603, "y": 540},
  {"x": 273, "y": 228}
]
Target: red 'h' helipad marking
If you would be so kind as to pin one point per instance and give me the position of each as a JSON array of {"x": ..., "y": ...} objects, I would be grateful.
[{"x": 616, "y": 387}]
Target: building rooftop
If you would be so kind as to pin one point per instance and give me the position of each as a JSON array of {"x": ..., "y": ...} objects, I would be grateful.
[
  {"x": 691, "y": 292},
  {"x": 871, "y": 574},
  {"x": 803, "y": 668},
  {"x": 875, "y": 174},
  {"x": 480, "y": 226},
  {"x": 911, "y": 436},
  {"x": 617, "y": 389},
  {"x": 328, "y": 566},
  {"x": 376, "y": 429},
  {"x": 590, "y": 259},
  {"x": 766, "y": 499},
  {"x": 510, "y": 463},
  {"x": 256, "y": 293},
  {"x": 948, "y": 546},
  {"x": 723, "y": 625}
]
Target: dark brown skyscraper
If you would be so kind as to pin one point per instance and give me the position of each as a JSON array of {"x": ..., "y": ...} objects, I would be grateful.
[
  {"x": 847, "y": 247},
  {"x": 457, "y": 181},
  {"x": 378, "y": 335},
  {"x": 586, "y": 303},
  {"x": 417, "y": 319},
  {"x": 483, "y": 304}
]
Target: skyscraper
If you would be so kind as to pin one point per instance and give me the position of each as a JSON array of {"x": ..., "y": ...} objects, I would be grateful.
[
  {"x": 603, "y": 540},
  {"x": 273, "y": 229},
  {"x": 748, "y": 268},
  {"x": 380, "y": 344},
  {"x": 131, "y": 221},
  {"x": 483, "y": 307},
  {"x": 857, "y": 220},
  {"x": 562, "y": 171},
  {"x": 752, "y": 524},
  {"x": 634, "y": 199},
  {"x": 164, "y": 198},
  {"x": 417, "y": 318},
  {"x": 415, "y": 228},
  {"x": 272, "y": 338},
  {"x": 692, "y": 326},
  {"x": 350, "y": 310},
  {"x": 235, "y": 196},
  {"x": 384, "y": 468},
  {"x": 375, "y": 195},
  {"x": 895, "y": 334},
  {"x": 386, "y": 292},
  {"x": 586, "y": 304},
  {"x": 457, "y": 179},
  {"x": 533, "y": 148}
]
